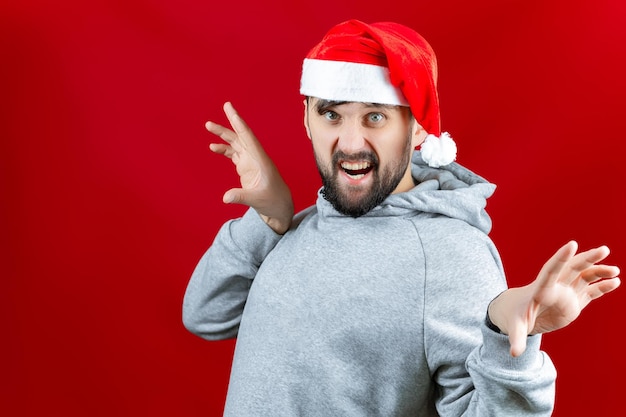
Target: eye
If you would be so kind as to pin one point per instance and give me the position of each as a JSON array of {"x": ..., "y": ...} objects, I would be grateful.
[
  {"x": 375, "y": 117},
  {"x": 330, "y": 115}
]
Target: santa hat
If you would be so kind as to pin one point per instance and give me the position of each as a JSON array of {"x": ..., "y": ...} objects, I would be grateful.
[{"x": 383, "y": 63}]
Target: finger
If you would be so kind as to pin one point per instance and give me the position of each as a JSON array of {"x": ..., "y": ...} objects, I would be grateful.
[
  {"x": 590, "y": 257},
  {"x": 603, "y": 287},
  {"x": 598, "y": 272},
  {"x": 233, "y": 117},
  {"x": 582, "y": 265},
  {"x": 236, "y": 196},
  {"x": 230, "y": 196},
  {"x": 248, "y": 197},
  {"x": 517, "y": 339},
  {"x": 221, "y": 149},
  {"x": 221, "y": 131},
  {"x": 241, "y": 128},
  {"x": 551, "y": 270}
]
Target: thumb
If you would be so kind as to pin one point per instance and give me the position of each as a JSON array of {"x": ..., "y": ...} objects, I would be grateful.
[
  {"x": 234, "y": 195},
  {"x": 517, "y": 339}
]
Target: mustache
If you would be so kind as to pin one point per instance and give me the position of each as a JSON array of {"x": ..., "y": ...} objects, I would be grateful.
[{"x": 370, "y": 157}]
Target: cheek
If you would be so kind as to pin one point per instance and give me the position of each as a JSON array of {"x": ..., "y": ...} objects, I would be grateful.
[
  {"x": 321, "y": 150},
  {"x": 323, "y": 140},
  {"x": 395, "y": 146}
]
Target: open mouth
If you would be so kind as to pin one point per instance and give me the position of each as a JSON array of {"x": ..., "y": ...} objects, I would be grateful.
[{"x": 356, "y": 170}]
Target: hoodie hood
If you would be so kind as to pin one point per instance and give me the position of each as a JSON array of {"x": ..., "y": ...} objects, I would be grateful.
[{"x": 452, "y": 190}]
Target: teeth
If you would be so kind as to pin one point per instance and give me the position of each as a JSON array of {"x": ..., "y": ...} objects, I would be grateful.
[
  {"x": 356, "y": 177},
  {"x": 355, "y": 166},
  {"x": 356, "y": 170}
]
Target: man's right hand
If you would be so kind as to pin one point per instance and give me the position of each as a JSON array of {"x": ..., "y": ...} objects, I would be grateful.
[{"x": 262, "y": 186}]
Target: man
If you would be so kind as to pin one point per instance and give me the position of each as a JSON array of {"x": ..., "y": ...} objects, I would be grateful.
[{"x": 387, "y": 297}]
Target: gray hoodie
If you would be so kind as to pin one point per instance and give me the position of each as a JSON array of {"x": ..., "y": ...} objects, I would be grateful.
[{"x": 380, "y": 315}]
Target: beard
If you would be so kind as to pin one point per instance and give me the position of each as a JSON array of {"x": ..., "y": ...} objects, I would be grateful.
[{"x": 354, "y": 201}]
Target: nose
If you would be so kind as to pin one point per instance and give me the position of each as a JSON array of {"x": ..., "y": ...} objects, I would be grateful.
[{"x": 351, "y": 138}]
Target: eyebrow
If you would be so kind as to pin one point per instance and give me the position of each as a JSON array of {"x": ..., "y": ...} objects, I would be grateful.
[{"x": 324, "y": 105}]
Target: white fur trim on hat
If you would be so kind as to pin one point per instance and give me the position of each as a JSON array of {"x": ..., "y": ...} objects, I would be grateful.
[{"x": 349, "y": 81}]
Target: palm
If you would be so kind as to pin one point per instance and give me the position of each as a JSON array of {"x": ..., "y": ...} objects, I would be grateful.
[{"x": 557, "y": 307}]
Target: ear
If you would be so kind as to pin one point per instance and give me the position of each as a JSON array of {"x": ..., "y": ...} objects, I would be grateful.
[
  {"x": 418, "y": 134},
  {"x": 306, "y": 119}
]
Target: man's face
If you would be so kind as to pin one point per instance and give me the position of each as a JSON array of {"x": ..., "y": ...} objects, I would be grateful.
[{"x": 362, "y": 151}]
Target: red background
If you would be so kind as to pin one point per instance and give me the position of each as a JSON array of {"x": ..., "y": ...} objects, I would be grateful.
[{"x": 110, "y": 195}]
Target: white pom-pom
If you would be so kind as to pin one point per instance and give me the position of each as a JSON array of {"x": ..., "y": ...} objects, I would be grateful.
[{"x": 438, "y": 151}]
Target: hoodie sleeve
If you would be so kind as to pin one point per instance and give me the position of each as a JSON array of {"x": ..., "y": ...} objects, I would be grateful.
[
  {"x": 218, "y": 288},
  {"x": 505, "y": 385},
  {"x": 471, "y": 364}
]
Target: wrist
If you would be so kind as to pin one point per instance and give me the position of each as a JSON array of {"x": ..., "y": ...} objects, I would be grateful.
[
  {"x": 277, "y": 225},
  {"x": 490, "y": 324}
]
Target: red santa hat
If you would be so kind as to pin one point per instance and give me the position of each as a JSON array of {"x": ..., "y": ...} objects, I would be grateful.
[{"x": 384, "y": 63}]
